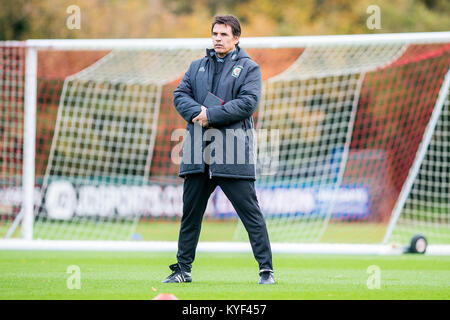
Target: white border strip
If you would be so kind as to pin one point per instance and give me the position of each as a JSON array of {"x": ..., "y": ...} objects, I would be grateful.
[
  {"x": 169, "y": 246},
  {"x": 249, "y": 42}
]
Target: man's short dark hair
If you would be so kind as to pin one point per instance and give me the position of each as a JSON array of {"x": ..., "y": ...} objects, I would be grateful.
[{"x": 228, "y": 20}]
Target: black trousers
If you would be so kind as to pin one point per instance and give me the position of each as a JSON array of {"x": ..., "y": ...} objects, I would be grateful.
[{"x": 241, "y": 193}]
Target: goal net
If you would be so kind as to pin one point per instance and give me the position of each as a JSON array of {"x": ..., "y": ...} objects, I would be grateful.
[{"x": 352, "y": 140}]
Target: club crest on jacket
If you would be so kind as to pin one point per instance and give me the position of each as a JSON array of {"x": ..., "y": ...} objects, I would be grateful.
[{"x": 236, "y": 71}]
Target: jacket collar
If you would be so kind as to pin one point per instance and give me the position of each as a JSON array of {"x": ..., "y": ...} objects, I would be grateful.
[
  {"x": 237, "y": 54},
  {"x": 219, "y": 59}
]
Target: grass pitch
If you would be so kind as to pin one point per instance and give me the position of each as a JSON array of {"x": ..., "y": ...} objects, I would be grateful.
[{"x": 138, "y": 275}]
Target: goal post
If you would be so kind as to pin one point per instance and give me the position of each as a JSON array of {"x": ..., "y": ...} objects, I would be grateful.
[
  {"x": 438, "y": 114},
  {"x": 352, "y": 144},
  {"x": 29, "y": 145}
]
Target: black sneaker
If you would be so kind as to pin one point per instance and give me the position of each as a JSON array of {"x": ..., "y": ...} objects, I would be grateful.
[
  {"x": 266, "y": 277},
  {"x": 177, "y": 275}
]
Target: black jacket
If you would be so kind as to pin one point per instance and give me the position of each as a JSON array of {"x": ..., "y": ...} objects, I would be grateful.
[{"x": 240, "y": 88}]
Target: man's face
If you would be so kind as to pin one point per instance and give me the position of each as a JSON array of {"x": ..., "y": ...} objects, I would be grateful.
[{"x": 223, "y": 40}]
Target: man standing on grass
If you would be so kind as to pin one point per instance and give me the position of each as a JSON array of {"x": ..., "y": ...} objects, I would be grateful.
[{"x": 217, "y": 97}]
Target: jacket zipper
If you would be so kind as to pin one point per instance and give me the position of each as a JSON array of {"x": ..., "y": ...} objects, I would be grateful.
[{"x": 210, "y": 174}]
